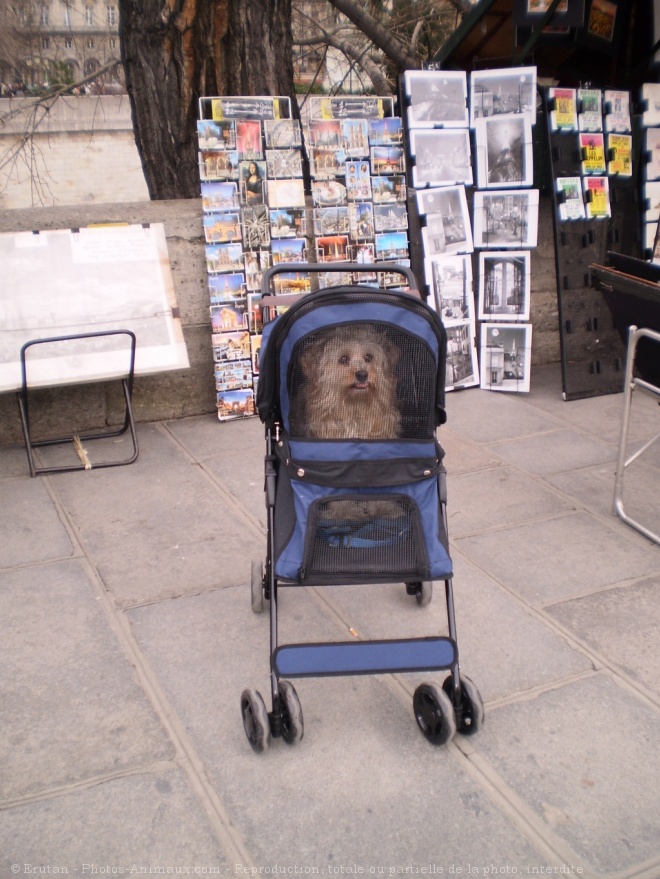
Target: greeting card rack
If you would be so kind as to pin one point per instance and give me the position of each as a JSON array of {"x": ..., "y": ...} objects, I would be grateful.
[{"x": 595, "y": 212}]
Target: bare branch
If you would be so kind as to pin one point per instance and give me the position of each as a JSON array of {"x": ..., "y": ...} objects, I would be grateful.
[{"x": 401, "y": 57}]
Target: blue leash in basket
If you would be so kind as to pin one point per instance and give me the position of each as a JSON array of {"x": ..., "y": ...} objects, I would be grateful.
[{"x": 375, "y": 533}]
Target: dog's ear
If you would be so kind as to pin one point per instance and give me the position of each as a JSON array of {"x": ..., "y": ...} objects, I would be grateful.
[
  {"x": 392, "y": 351},
  {"x": 308, "y": 359}
]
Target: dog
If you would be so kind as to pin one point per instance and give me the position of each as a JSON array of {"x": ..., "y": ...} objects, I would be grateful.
[
  {"x": 348, "y": 388},
  {"x": 349, "y": 391}
]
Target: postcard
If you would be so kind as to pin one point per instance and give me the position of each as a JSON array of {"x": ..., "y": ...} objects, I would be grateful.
[
  {"x": 390, "y": 217},
  {"x": 255, "y": 313},
  {"x": 229, "y": 316},
  {"x": 392, "y": 246},
  {"x": 503, "y": 91},
  {"x": 287, "y": 223},
  {"x": 387, "y": 160},
  {"x": 438, "y": 98},
  {"x": 506, "y": 218},
  {"x": 218, "y": 165},
  {"x": 504, "y": 285},
  {"x": 222, "y": 226},
  {"x": 358, "y": 181},
  {"x": 619, "y": 154},
  {"x": 219, "y": 195},
  {"x": 235, "y": 404},
  {"x": 356, "y": 138},
  {"x": 448, "y": 228},
  {"x": 230, "y": 376},
  {"x": 325, "y": 133},
  {"x": 386, "y": 132},
  {"x": 651, "y": 103},
  {"x": 504, "y": 151},
  {"x": 617, "y": 111},
  {"x": 286, "y": 193},
  {"x": 282, "y": 133},
  {"x": 327, "y": 163},
  {"x": 570, "y": 202},
  {"x": 288, "y": 250},
  {"x": 226, "y": 287},
  {"x": 590, "y": 109},
  {"x": 652, "y": 201},
  {"x": 652, "y": 153},
  {"x": 224, "y": 257},
  {"x": 596, "y": 197},
  {"x": 563, "y": 109},
  {"x": 449, "y": 278},
  {"x": 255, "y": 263},
  {"x": 601, "y": 20},
  {"x": 231, "y": 346},
  {"x": 256, "y": 227},
  {"x": 284, "y": 163},
  {"x": 462, "y": 368},
  {"x": 389, "y": 190},
  {"x": 592, "y": 152},
  {"x": 292, "y": 282},
  {"x": 506, "y": 357},
  {"x": 326, "y": 193},
  {"x": 216, "y": 135},
  {"x": 332, "y": 248},
  {"x": 248, "y": 139},
  {"x": 361, "y": 220},
  {"x": 441, "y": 157},
  {"x": 331, "y": 221}
]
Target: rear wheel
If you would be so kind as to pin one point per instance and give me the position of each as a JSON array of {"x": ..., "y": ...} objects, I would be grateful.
[
  {"x": 422, "y": 590},
  {"x": 434, "y": 714},
  {"x": 470, "y": 711},
  {"x": 255, "y": 720},
  {"x": 293, "y": 728}
]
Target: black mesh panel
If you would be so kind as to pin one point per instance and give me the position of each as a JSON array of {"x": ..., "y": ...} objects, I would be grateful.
[
  {"x": 362, "y": 381},
  {"x": 364, "y": 536}
]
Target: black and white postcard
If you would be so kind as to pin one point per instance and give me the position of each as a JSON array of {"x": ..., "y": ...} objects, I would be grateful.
[
  {"x": 447, "y": 228},
  {"x": 284, "y": 163},
  {"x": 449, "y": 279},
  {"x": 462, "y": 367},
  {"x": 506, "y": 356},
  {"x": 282, "y": 133},
  {"x": 256, "y": 263},
  {"x": 506, "y": 218},
  {"x": 504, "y": 285},
  {"x": 504, "y": 151},
  {"x": 503, "y": 91},
  {"x": 441, "y": 157},
  {"x": 438, "y": 98},
  {"x": 256, "y": 227}
]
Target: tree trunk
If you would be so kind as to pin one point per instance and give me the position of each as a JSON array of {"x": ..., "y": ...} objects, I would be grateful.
[{"x": 176, "y": 51}]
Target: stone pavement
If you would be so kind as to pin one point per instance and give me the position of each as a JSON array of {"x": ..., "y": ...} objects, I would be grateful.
[{"x": 127, "y": 637}]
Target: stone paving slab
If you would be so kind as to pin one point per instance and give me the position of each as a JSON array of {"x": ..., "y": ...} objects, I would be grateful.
[
  {"x": 503, "y": 647},
  {"x": 545, "y": 562},
  {"x": 554, "y": 452},
  {"x": 462, "y": 456},
  {"x": 338, "y": 798},
  {"x": 70, "y": 707},
  {"x": 622, "y": 624},
  {"x": 156, "y": 528},
  {"x": 144, "y": 822},
  {"x": 586, "y": 759},
  {"x": 487, "y": 417},
  {"x": 30, "y": 526},
  {"x": 497, "y": 497},
  {"x": 13, "y": 461}
]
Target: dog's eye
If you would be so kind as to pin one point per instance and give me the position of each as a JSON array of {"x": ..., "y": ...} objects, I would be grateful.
[
  {"x": 344, "y": 359},
  {"x": 368, "y": 358}
]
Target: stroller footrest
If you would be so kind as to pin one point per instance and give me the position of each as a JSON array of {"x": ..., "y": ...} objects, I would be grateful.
[{"x": 364, "y": 657}]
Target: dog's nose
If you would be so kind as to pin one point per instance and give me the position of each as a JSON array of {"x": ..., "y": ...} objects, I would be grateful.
[{"x": 361, "y": 375}]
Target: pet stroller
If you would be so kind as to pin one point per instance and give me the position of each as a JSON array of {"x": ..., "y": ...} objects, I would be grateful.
[{"x": 355, "y": 495}]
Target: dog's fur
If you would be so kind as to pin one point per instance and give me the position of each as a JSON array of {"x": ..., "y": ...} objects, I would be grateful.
[{"x": 349, "y": 386}]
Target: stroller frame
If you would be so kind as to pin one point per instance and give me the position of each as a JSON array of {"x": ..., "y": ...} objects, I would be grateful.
[{"x": 440, "y": 711}]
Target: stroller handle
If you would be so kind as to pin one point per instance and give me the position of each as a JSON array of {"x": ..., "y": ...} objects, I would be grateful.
[{"x": 338, "y": 267}]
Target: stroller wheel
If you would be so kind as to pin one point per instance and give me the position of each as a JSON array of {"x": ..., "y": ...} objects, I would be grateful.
[
  {"x": 470, "y": 712},
  {"x": 255, "y": 720},
  {"x": 293, "y": 728},
  {"x": 434, "y": 714},
  {"x": 422, "y": 590},
  {"x": 257, "y": 586}
]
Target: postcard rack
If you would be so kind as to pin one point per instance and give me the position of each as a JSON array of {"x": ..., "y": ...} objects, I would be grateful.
[
  {"x": 592, "y": 352},
  {"x": 77, "y": 440}
]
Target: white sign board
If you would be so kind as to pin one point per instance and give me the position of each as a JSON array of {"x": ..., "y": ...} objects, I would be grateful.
[{"x": 95, "y": 279}]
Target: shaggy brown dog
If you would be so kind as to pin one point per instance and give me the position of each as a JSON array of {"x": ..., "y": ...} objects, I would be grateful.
[{"x": 349, "y": 387}]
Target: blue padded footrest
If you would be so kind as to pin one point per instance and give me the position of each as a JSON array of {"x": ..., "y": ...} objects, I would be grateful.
[{"x": 364, "y": 657}]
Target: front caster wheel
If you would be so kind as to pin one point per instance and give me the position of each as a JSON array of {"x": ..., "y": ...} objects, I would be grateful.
[
  {"x": 255, "y": 720},
  {"x": 293, "y": 728},
  {"x": 257, "y": 586},
  {"x": 470, "y": 712},
  {"x": 422, "y": 590},
  {"x": 434, "y": 714}
]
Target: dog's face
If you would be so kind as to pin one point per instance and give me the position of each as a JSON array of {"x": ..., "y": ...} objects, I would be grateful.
[{"x": 350, "y": 387}]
